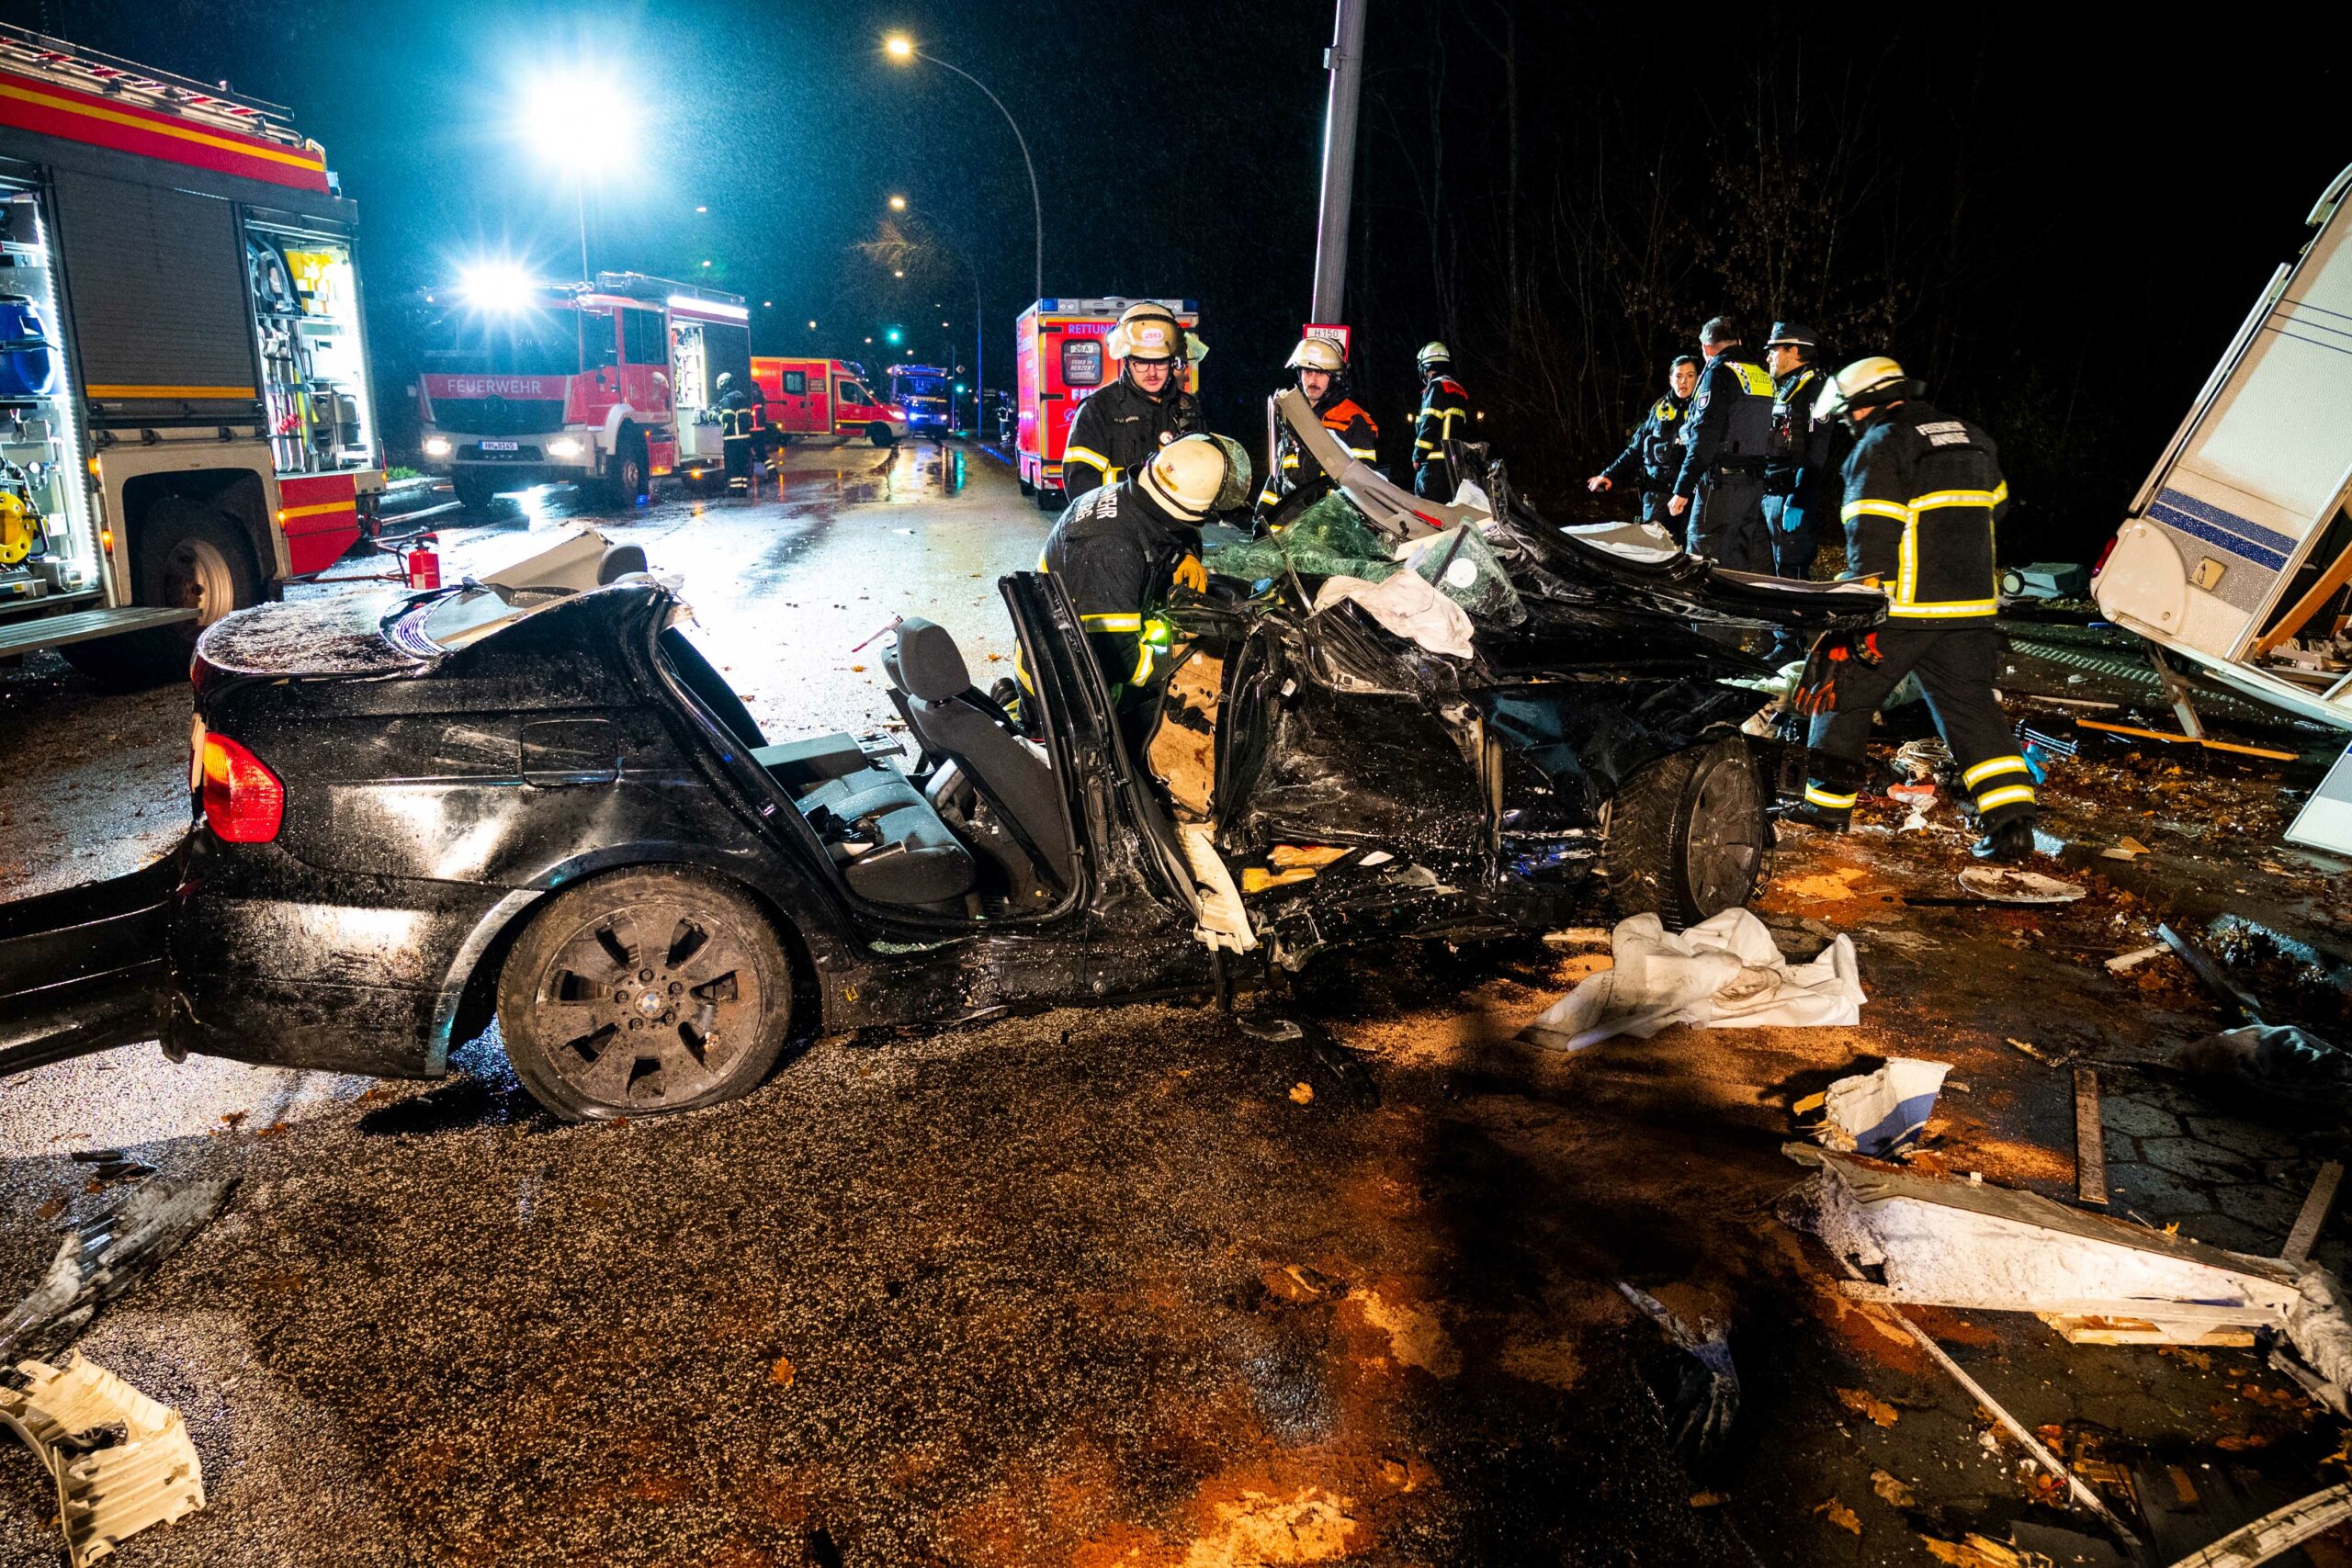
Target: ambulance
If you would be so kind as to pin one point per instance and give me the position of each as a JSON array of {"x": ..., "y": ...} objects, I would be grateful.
[
  {"x": 1060, "y": 359},
  {"x": 826, "y": 398}
]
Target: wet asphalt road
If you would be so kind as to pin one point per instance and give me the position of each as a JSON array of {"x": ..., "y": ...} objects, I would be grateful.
[{"x": 1098, "y": 1287}]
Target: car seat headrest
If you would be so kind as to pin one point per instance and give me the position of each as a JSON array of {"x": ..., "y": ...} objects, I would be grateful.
[{"x": 925, "y": 662}]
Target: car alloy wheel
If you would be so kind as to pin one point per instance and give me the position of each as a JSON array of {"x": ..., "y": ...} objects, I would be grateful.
[{"x": 644, "y": 991}]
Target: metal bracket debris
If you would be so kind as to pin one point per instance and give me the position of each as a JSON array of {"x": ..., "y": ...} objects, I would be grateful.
[{"x": 106, "y": 1492}]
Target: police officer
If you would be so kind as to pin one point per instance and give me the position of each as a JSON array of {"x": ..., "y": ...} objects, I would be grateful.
[
  {"x": 1655, "y": 454},
  {"x": 1801, "y": 467},
  {"x": 1720, "y": 486},
  {"x": 1923, "y": 492},
  {"x": 1121, "y": 426},
  {"x": 1120, "y": 547},
  {"x": 1444, "y": 416},
  {"x": 1322, "y": 372}
]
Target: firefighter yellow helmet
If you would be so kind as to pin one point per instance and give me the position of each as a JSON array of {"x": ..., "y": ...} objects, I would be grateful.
[
  {"x": 1198, "y": 476},
  {"x": 1866, "y": 383},
  {"x": 1433, "y": 354},
  {"x": 1316, "y": 353},
  {"x": 1146, "y": 331}
]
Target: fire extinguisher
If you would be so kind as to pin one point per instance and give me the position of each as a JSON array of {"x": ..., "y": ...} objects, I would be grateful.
[{"x": 422, "y": 563}]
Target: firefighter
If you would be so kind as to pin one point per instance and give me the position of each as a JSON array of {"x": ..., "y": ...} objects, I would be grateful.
[
  {"x": 1147, "y": 407},
  {"x": 1923, "y": 492},
  {"x": 1444, "y": 416},
  {"x": 1801, "y": 467},
  {"x": 1654, "y": 452},
  {"x": 740, "y": 407},
  {"x": 1322, "y": 375},
  {"x": 1721, "y": 483},
  {"x": 1120, "y": 548}
]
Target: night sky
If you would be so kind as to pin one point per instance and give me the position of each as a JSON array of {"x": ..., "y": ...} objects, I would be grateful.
[{"x": 2057, "y": 227}]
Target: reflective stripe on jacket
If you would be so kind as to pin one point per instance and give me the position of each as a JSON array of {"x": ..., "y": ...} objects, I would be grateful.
[
  {"x": 1350, "y": 425},
  {"x": 1923, "y": 493},
  {"x": 1119, "y": 428},
  {"x": 1444, "y": 416}
]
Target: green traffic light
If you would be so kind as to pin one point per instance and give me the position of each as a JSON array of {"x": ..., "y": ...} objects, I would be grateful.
[{"x": 894, "y": 335}]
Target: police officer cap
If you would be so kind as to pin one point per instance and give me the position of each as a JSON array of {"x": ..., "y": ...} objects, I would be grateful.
[{"x": 1790, "y": 333}]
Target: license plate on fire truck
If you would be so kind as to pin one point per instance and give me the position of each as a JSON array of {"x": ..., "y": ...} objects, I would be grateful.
[{"x": 501, "y": 446}]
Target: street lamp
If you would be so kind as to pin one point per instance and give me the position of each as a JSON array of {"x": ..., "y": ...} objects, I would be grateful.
[
  {"x": 579, "y": 122},
  {"x": 902, "y": 48},
  {"x": 979, "y": 347},
  {"x": 897, "y": 204}
]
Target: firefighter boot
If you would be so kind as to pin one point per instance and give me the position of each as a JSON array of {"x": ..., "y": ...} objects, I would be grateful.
[
  {"x": 1832, "y": 786},
  {"x": 2008, "y": 839}
]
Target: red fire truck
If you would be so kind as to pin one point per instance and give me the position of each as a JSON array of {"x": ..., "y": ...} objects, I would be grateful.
[
  {"x": 185, "y": 421},
  {"x": 607, "y": 385},
  {"x": 1059, "y": 358},
  {"x": 827, "y": 397}
]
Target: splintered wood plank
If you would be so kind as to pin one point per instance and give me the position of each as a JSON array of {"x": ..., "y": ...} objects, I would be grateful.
[
  {"x": 2321, "y": 1198},
  {"x": 2090, "y": 1143}
]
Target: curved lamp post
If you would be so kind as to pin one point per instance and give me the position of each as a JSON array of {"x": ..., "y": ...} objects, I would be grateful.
[{"x": 901, "y": 48}]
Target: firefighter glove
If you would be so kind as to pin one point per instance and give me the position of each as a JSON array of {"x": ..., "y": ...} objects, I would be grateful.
[{"x": 1832, "y": 654}]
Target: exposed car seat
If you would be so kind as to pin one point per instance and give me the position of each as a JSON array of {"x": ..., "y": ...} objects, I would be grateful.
[
  {"x": 891, "y": 846},
  {"x": 958, "y": 724}
]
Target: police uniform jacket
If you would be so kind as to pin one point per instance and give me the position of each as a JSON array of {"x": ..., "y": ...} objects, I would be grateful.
[
  {"x": 1444, "y": 416},
  {"x": 1805, "y": 456},
  {"x": 1119, "y": 428},
  {"x": 1730, "y": 422},
  {"x": 1117, "y": 553},
  {"x": 1350, "y": 425},
  {"x": 1923, "y": 492},
  {"x": 1655, "y": 451}
]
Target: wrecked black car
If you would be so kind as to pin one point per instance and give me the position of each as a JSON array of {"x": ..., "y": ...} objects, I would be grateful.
[{"x": 530, "y": 798}]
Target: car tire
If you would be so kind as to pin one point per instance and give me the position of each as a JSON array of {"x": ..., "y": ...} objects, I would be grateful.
[
  {"x": 879, "y": 433},
  {"x": 190, "y": 553},
  {"x": 1687, "y": 834},
  {"x": 625, "y": 483},
  {"x": 478, "y": 493},
  {"x": 654, "y": 990}
]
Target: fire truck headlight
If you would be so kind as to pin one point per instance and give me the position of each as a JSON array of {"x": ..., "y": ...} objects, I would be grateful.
[
  {"x": 436, "y": 445},
  {"x": 563, "y": 446}
]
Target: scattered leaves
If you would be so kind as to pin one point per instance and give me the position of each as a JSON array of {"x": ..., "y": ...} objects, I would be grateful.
[
  {"x": 1973, "y": 1551},
  {"x": 1892, "y": 1489},
  {"x": 781, "y": 1374},
  {"x": 1297, "y": 1284},
  {"x": 1863, "y": 1403},
  {"x": 2028, "y": 1048},
  {"x": 1709, "y": 1499},
  {"x": 1844, "y": 1517},
  {"x": 1302, "y": 1093},
  {"x": 2198, "y": 1360},
  {"x": 2234, "y": 1444}
]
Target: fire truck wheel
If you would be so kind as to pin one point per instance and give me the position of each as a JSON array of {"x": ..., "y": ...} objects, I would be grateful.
[
  {"x": 625, "y": 481},
  {"x": 879, "y": 433},
  {"x": 1026, "y": 488},
  {"x": 476, "y": 493},
  {"x": 1050, "y": 500},
  {"x": 188, "y": 556}
]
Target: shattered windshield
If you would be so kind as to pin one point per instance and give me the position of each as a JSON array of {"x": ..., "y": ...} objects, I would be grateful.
[{"x": 1333, "y": 539}]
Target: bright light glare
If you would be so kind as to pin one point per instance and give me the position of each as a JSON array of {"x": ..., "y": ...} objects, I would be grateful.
[
  {"x": 436, "y": 445},
  {"x": 563, "y": 446},
  {"x": 502, "y": 285},
  {"x": 897, "y": 204},
  {"x": 582, "y": 122},
  {"x": 898, "y": 45}
]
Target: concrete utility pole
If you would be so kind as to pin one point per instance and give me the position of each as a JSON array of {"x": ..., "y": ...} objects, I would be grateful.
[{"x": 1344, "y": 60}]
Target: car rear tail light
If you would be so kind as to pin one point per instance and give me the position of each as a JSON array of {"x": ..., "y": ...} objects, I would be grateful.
[{"x": 243, "y": 801}]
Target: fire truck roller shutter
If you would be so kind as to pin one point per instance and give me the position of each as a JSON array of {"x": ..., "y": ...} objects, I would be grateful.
[{"x": 157, "y": 282}]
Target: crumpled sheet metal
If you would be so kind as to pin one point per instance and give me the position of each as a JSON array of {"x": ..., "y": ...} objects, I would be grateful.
[
  {"x": 104, "y": 1255},
  {"x": 106, "y": 1492}
]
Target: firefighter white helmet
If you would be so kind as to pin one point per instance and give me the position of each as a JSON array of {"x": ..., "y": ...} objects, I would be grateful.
[
  {"x": 1197, "y": 476},
  {"x": 1316, "y": 353},
  {"x": 1866, "y": 383},
  {"x": 1433, "y": 354},
  {"x": 1146, "y": 331}
]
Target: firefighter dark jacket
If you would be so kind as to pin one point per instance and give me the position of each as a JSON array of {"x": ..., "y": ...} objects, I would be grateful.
[
  {"x": 1117, "y": 553},
  {"x": 1656, "y": 452},
  {"x": 1923, "y": 492},
  {"x": 1350, "y": 425},
  {"x": 1730, "y": 420},
  {"x": 1119, "y": 428},
  {"x": 1444, "y": 416},
  {"x": 1804, "y": 458}
]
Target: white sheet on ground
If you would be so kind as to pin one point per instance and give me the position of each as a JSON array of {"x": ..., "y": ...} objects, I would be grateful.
[
  {"x": 1407, "y": 604},
  {"x": 1723, "y": 973}
]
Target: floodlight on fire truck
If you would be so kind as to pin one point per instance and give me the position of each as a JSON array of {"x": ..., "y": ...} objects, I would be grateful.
[{"x": 499, "y": 286}]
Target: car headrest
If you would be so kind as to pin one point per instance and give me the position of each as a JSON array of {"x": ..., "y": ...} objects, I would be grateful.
[{"x": 925, "y": 662}]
